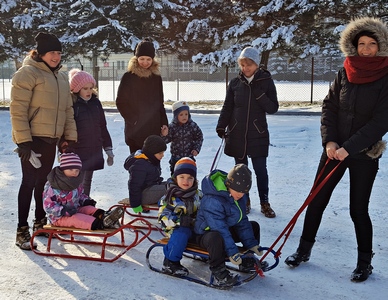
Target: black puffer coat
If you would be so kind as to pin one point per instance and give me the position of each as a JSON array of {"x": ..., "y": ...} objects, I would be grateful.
[
  {"x": 244, "y": 114},
  {"x": 140, "y": 102},
  {"x": 93, "y": 135},
  {"x": 355, "y": 116}
]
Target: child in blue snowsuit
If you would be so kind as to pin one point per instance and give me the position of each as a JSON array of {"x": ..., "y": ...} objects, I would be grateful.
[
  {"x": 222, "y": 221},
  {"x": 177, "y": 212},
  {"x": 184, "y": 134}
]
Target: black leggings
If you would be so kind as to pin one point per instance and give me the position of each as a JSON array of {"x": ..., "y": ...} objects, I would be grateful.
[
  {"x": 362, "y": 173},
  {"x": 33, "y": 181}
]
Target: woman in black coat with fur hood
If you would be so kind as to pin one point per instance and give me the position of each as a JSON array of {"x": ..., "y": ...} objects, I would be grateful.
[
  {"x": 140, "y": 98},
  {"x": 354, "y": 120}
]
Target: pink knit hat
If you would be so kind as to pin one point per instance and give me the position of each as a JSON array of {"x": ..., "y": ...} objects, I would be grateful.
[
  {"x": 70, "y": 161},
  {"x": 78, "y": 79}
]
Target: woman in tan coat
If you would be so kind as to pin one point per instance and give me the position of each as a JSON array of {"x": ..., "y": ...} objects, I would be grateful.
[{"x": 41, "y": 112}]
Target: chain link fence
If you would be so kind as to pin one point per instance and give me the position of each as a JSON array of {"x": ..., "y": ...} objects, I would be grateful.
[{"x": 301, "y": 82}]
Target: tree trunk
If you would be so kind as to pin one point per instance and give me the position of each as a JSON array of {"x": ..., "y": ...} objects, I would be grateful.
[{"x": 265, "y": 58}]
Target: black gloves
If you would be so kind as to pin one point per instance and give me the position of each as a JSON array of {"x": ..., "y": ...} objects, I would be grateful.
[
  {"x": 89, "y": 202},
  {"x": 186, "y": 221},
  {"x": 221, "y": 132},
  {"x": 68, "y": 211},
  {"x": 24, "y": 151}
]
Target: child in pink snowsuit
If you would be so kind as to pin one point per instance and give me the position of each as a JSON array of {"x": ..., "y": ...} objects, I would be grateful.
[{"x": 65, "y": 203}]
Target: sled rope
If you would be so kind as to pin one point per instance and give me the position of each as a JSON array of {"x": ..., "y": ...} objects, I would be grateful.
[
  {"x": 218, "y": 155},
  {"x": 290, "y": 226}
]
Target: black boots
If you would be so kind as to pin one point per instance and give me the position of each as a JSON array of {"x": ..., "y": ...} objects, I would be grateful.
[
  {"x": 302, "y": 254},
  {"x": 364, "y": 267}
]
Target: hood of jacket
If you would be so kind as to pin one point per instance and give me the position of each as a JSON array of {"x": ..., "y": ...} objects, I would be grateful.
[
  {"x": 214, "y": 184},
  {"x": 364, "y": 24},
  {"x": 135, "y": 68}
]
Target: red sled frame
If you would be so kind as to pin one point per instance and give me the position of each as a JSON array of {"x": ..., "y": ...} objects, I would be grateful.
[{"x": 72, "y": 235}]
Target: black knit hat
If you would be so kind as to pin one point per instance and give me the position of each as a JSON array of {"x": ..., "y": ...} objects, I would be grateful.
[
  {"x": 239, "y": 178},
  {"x": 145, "y": 48},
  {"x": 153, "y": 144},
  {"x": 46, "y": 42},
  {"x": 364, "y": 33}
]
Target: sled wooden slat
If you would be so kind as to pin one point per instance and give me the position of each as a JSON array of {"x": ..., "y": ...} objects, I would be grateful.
[{"x": 103, "y": 240}]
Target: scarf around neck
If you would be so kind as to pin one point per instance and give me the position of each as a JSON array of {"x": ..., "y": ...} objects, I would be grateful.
[
  {"x": 60, "y": 181},
  {"x": 365, "y": 69}
]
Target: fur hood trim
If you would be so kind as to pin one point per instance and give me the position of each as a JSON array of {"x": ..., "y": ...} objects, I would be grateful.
[
  {"x": 364, "y": 24},
  {"x": 134, "y": 67},
  {"x": 377, "y": 149}
]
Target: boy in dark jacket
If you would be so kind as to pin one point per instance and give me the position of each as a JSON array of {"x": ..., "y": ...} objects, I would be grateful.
[
  {"x": 222, "y": 221},
  {"x": 184, "y": 134},
  {"x": 145, "y": 183}
]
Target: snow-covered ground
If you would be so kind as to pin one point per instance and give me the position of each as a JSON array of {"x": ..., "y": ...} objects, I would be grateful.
[{"x": 292, "y": 163}]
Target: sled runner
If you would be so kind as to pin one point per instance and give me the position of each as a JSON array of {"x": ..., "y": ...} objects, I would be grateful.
[
  {"x": 112, "y": 241},
  {"x": 151, "y": 217},
  {"x": 194, "y": 252}
]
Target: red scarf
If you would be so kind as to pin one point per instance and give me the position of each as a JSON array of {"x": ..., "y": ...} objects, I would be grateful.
[{"x": 360, "y": 69}]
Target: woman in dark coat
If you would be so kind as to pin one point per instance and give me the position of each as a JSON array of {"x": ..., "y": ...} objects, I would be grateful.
[
  {"x": 140, "y": 98},
  {"x": 250, "y": 96},
  {"x": 354, "y": 120}
]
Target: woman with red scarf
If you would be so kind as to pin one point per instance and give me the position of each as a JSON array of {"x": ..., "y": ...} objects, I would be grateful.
[{"x": 354, "y": 120}]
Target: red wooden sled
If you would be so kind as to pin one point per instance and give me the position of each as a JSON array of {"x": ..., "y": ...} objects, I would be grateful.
[{"x": 105, "y": 240}]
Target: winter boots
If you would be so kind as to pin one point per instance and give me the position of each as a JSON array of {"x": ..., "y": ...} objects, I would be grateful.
[
  {"x": 302, "y": 254},
  {"x": 174, "y": 268},
  {"x": 23, "y": 238},
  {"x": 38, "y": 224},
  {"x": 222, "y": 277},
  {"x": 267, "y": 210},
  {"x": 112, "y": 217},
  {"x": 364, "y": 267}
]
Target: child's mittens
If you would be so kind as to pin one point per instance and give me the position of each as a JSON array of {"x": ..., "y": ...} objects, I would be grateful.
[
  {"x": 186, "y": 221},
  {"x": 34, "y": 159},
  {"x": 257, "y": 249},
  {"x": 89, "y": 202},
  {"x": 167, "y": 223},
  {"x": 236, "y": 259},
  {"x": 137, "y": 209},
  {"x": 180, "y": 209},
  {"x": 109, "y": 152},
  {"x": 68, "y": 211}
]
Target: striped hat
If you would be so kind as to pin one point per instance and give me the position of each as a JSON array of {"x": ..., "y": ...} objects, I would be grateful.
[
  {"x": 70, "y": 161},
  {"x": 185, "y": 165}
]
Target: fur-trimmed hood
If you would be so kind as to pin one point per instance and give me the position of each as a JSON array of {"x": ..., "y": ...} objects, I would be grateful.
[
  {"x": 135, "y": 68},
  {"x": 364, "y": 24}
]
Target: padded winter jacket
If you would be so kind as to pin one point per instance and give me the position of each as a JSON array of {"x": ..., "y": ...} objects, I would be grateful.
[
  {"x": 142, "y": 174},
  {"x": 244, "y": 115},
  {"x": 93, "y": 135},
  {"x": 41, "y": 103},
  {"x": 184, "y": 138},
  {"x": 219, "y": 211},
  {"x": 355, "y": 116},
  {"x": 55, "y": 200},
  {"x": 140, "y": 102}
]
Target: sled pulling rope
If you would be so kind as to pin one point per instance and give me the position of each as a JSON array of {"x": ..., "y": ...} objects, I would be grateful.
[
  {"x": 290, "y": 226},
  {"x": 218, "y": 155},
  {"x": 195, "y": 252}
]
